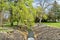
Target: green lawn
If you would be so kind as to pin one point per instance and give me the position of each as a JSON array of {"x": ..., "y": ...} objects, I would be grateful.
[
  {"x": 57, "y": 25},
  {"x": 53, "y": 24}
]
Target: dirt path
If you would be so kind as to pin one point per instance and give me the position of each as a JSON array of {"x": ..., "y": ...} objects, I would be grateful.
[{"x": 46, "y": 33}]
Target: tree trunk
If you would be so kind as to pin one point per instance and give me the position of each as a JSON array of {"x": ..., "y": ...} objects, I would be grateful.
[
  {"x": 1, "y": 18},
  {"x": 40, "y": 20},
  {"x": 11, "y": 23},
  {"x": 11, "y": 18}
]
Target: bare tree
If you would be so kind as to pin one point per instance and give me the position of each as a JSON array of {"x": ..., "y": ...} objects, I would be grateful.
[{"x": 44, "y": 4}]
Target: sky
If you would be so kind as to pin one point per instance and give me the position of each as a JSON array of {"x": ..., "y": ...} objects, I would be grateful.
[
  {"x": 37, "y": 1},
  {"x": 58, "y": 1},
  {"x": 50, "y": 1}
]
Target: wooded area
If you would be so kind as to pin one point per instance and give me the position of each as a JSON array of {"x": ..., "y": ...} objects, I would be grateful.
[
  {"x": 23, "y": 15},
  {"x": 22, "y": 12}
]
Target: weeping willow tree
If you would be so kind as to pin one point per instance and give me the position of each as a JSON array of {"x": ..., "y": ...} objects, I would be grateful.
[
  {"x": 20, "y": 11},
  {"x": 25, "y": 11}
]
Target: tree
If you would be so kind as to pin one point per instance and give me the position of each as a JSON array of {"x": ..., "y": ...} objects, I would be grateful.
[
  {"x": 51, "y": 16},
  {"x": 43, "y": 6},
  {"x": 39, "y": 13},
  {"x": 4, "y": 6},
  {"x": 21, "y": 11},
  {"x": 55, "y": 12},
  {"x": 26, "y": 16},
  {"x": 1, "y": 11}
]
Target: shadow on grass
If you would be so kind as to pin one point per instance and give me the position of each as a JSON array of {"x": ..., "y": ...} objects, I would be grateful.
[{"x": 50, "y": 22}]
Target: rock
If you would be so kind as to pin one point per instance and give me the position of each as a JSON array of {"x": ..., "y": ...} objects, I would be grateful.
[
  {"x": 11, "y": 36},
  {"x": 48, "y": 33}
]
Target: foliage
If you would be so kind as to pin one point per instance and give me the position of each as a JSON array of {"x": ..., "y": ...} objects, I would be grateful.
[
  {"x": 22, "y": 11},
  {"x": 54, "y": 12},
  {"x": 26, "y": 14},
  {"x": 45, "y": 16}
]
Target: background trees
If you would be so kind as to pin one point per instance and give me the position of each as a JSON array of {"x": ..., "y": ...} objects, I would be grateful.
[
  {"x": 43, "y": 4},
  {"x": 22, "y": 11},
  {"x": 55, "y": 12}
]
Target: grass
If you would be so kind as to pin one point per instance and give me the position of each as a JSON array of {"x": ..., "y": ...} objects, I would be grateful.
[
  {"x": 53, "y": 24},
  {"x": 5, "y": 29}
]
